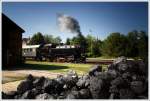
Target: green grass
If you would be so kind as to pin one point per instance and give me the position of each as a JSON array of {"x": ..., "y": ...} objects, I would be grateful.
[{"x": 58, "y": 67}]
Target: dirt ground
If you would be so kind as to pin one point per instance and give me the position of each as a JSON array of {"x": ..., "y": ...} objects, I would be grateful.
[{"x": 11, "y": 78}]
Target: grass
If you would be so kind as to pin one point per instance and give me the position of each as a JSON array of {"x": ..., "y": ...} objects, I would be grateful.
[
  {"x": 58, "y": 67},
  {"x": 55, "y": 67}
]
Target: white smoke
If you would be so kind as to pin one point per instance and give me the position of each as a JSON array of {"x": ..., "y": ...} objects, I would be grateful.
[{"x": 68, "y": 24}]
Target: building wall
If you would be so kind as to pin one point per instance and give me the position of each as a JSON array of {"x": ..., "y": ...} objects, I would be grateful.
[
  {"x": 11, "y": 43},
  {"x": 13, "y": 48}
]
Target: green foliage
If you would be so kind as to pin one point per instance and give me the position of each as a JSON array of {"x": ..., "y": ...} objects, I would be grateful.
[
  {"x": 134, "y": 44},
  {"x": 58, "y": 67},
  {"x": 132, "y": 48},
  {"x": 68, "y": 41},
  {"x": 79, "y": 40},
  {"x": 57, "y": 40},
  {"x": 143, "y": 45},
  {"x": 37, "y": 38},
  {"x": 114, "y": 45},
  {"x": 93, "y": 46},
  {"x": 48, "y": 38}
]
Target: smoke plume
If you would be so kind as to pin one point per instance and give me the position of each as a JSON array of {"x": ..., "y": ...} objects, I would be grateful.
[{"x": 68, "y": 24}]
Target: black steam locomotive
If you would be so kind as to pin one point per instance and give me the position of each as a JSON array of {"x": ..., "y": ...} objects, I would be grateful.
[{"x": 54, "y": 53}]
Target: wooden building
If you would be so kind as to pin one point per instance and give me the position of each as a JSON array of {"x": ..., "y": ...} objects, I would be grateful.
[{"x": 11, "y": 42}]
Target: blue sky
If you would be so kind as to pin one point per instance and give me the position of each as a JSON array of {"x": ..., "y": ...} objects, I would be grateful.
[{"x": 102, "y": 18}]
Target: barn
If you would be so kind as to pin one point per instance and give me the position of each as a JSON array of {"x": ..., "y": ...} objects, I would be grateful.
[{"x": 11, "y": 42}]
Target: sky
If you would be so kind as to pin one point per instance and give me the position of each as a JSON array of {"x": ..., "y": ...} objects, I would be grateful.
[{"x": 98, "y": 19}]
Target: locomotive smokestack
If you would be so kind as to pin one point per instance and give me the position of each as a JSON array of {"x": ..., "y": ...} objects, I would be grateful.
[{"x": 68, "y": 24}]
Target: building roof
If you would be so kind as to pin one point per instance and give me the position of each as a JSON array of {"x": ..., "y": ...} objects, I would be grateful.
[{"x": 7, "y": 22}]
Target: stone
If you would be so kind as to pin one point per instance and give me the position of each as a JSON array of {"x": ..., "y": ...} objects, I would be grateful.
[
  {"x": 44, "y": 96},
  {"x": 83, "y": 81},
  {"x": 36, "y": 91},
  {"x": 60, "y": 79},
  {"x": 39, "y": 82},
  {"x": 70, "y": 79},
  {"x": 104, "y": 75},
  {"x": 137, "y": 87},
  {"x": 49, "y": 86},
  {"x": 9, "y": 95},
  {"x": 72, "y": 73},
  {"x": 85, "y": 93},
  {"x": 24, "y": 86},
  {"x": 117, "y": 81},
  {"x": 28, "y": 95},
  {"x": 95, "y": 87},
  {"x": 112, "y": 73},
  {"x": 74, "y": 95},
  {"x": 96, "y": 68},
  {"x": 30, "y": 78},
  {"x": 113, "y": 89},
  {"x": 120, "y": 59},
  {"x": 122, "y": 67},
  {"x": 126, "y": 94}
]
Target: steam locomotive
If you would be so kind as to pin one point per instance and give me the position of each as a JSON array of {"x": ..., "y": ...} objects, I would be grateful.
[{"x": 54, "y": 53}]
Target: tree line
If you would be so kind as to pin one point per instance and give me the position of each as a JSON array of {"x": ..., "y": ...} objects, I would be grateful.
[{"x": 134, "y": 44}]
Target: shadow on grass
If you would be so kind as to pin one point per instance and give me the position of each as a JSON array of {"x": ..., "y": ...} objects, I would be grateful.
[{"x": 36, "y": 67}]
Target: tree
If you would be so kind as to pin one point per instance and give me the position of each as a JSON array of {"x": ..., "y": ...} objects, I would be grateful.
[
  {"x": 90, "y": 41},
  {"x": 37, "y": 39},
  {"x": 48, "y": 38},
  {"x": 93, "y": 46},
  {"x": 114, "y": 45},
  {"x": 96, "y": 48},
  {"x": 132, "y": 44},
  {"x": 68, "y": 41},
  {"x": 143, "y": 45},
  {"x": 57, "y": 40}
]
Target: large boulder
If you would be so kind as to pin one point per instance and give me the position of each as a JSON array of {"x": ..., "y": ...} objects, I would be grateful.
[
  {"x": 38, "y": 82},
  {"x": 49, "y": 86},
  {"x": 138, "y": 87},
  {"x": 9, "y": 95},
  {"x": 120, "y": 59},
  {"x": 30, "y": 78},
  {"x": 96, "y": 68},
  {"x": 74, "y": 95},
  {"x": 83, "y": 81},
  {"x": 70, "y": 79},
  {"x": 28, "y": 95},
  {"x": 117, "y": 81},
  {"x": 126, "y": 94},
  {"x": 85, "y": 94},
  {"x": 95, "y": 87},
  {"x": 24, "y": 86}
]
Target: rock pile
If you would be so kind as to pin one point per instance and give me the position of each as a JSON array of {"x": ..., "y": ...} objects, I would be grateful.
[{"x": 122, "y": 80}]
